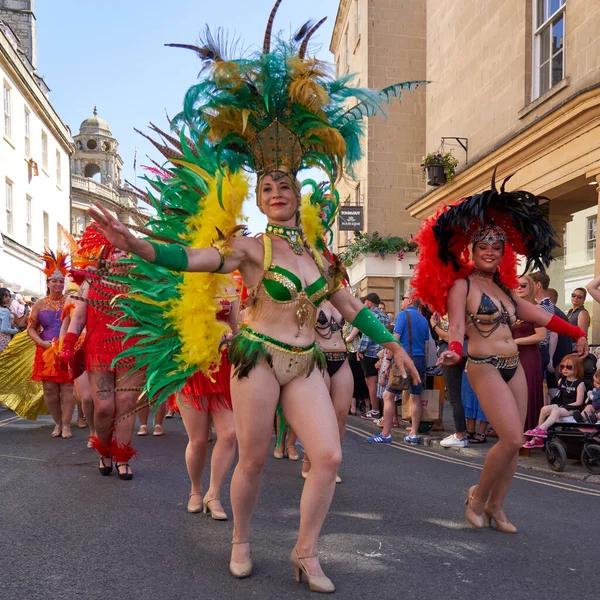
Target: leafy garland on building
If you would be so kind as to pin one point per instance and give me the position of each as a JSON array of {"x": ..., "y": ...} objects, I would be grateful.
[{"x": 365, "y": 243}]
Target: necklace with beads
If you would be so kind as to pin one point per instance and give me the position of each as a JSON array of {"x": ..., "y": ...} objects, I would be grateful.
[{"x": 290, "y": 234}]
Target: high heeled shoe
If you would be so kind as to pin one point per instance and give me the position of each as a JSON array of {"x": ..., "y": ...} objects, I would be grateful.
[
  {"x": 305, "y": 473},
  {"x": 295, "y": 455},
  {"x": 240, "y": 570},
  {"x": 103, "y": 468},
  {"x": 320, "y": 583},
  {"x": 497, "y": 515},
  {"x": 476, "y": 520},
  {"x": 277, "y": 454},
  {"x": 57, "y": 431},
  {"x": 195, "y": 507},
  {"x": 215, "y": 513}
]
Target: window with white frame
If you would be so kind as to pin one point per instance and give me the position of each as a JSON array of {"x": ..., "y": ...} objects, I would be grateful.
[
  {"x": 347, "y": 43},
  {"x": 44, "y": 151},
  {"x": 46, "y": 230},
  {"x": 592, "y": 222},
  {"x": 27, "y": 123},
  {"x": 7, "y": 113},
  {"x": 58, "y": 168},
  {"x": 8, "y": 187},
  {"x": 28, "y": 212},
  {"x": 549, "y": 44}
]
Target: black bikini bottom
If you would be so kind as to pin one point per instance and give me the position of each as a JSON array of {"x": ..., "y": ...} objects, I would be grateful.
[
  {"x": 334, "y": 360},
  {"x": 506, "y": 365}
]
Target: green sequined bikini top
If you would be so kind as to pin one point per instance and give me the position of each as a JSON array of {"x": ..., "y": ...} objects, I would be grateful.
[{"x": 283, "y": 286}]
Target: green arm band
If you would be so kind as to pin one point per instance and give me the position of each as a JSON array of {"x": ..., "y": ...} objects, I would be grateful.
[
  {"x": 171, "y": 256},
  {"x": 370, "y": 325}
]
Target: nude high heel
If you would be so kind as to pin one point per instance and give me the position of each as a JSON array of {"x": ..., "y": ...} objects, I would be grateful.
[
  {"x": 476, "y": 520},
  {"x": 240, "y": 570},
  {"x": 502, "y": 523},
  {"x": 215, "y": 513},
  {"x": 304, "y": 473},
  {"x": 320, "y": 584},
  {"x": 194, "y": 507}
]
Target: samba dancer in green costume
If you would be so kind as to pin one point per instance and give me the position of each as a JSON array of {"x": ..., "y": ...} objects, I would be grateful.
[{"x": 275, "y": 114}]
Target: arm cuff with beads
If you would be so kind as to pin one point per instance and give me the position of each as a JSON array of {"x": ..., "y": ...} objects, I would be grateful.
[
  {"x": 366, "y": 322},
  {"x": 171, "y": 256}
]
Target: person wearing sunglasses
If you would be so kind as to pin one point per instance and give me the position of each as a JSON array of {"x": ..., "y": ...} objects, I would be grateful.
[
  {"x": 571, "y": 397},
  {"x": 578, "y": 315}
]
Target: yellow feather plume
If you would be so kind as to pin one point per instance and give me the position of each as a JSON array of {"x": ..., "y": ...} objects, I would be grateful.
[
  {"x": 311, "y": 220},
  {"x": 306, "y": 91},
  {"x": 194, "y": 313}
]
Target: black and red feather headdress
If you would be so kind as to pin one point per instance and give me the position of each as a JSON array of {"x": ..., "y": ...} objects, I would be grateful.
[{"x": 446, "y": 238}]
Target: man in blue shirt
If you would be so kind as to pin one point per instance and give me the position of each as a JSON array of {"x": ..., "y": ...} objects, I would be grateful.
[
  {"x": 412, "y": 329},
  {"x": 368, "y": 352}
]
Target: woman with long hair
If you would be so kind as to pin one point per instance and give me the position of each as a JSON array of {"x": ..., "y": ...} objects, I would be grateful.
[
  {"x": 44, "y": 329},
  {"x": 476, "y": 289},
  {"x": 7, "y": 328},
  {"x": 274, "y": 114},
  {"x": 527, "y": 336}
]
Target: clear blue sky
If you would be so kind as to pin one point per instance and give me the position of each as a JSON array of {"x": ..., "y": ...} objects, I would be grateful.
[{"x": 111, "y": 54}]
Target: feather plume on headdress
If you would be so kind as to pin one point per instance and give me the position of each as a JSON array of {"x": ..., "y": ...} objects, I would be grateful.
[{"x": 56, "y": 265}]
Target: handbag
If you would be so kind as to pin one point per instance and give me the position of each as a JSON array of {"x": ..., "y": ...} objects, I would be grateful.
[
  {"x": 430, "y": 401},
  {"x": 396, "y": 382}
]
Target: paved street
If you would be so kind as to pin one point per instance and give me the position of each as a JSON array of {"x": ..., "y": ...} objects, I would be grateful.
[{"x": 396, "y": 528}]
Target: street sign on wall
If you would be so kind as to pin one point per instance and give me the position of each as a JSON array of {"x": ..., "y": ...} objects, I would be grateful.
[{"x": 350, "y": 218}]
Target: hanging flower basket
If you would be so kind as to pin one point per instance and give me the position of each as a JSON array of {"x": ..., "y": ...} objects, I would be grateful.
[
  {"x": 435, "y": 175},
  {"x": 439, "y": 168}
]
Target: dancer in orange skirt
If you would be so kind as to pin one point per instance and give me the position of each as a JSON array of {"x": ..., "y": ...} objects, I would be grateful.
[{"x": 44, "y": 329}]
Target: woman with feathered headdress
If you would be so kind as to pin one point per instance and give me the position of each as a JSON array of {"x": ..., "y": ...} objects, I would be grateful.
[
  {"x": 44, "y": 329},
  {"x": 467, "y": 268},
  {"x": 273, "y": 114}
]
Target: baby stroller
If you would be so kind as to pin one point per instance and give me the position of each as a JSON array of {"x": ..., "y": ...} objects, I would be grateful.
[{"x": 569, "y": 439}]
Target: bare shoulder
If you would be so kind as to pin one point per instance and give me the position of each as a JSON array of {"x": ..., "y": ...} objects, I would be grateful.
[
  {"x": 459, "y": 287},
  {"x": 251, "y": 246}
]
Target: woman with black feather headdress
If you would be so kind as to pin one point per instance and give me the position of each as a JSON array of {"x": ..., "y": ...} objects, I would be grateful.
[{"x": 467, "y": 268}]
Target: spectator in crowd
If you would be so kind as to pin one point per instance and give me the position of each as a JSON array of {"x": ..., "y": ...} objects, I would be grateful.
[
  {"x": 7, "y": 327},
  {"x": 578, "y": 315},
  {"x": 528, "y": 336},
  {"x": 555, "y": 346},
  {"x": 360, "y": 392},
  {"x": 412, "y": 329},
  {"x": 553, "y": 295},
  {"x": 571, "y": 397},
  {"x": 381, "y": 306},
  {"x": 473, "y": 413},
  {"x": 453, "y": 376},
  {"x": 368, "y": 352}
]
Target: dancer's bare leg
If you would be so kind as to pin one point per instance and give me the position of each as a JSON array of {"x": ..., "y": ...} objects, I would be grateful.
[
  {"x": 84, "y": 396},
  {"x": 67, "y": 402},
  {"x": 222, "y": 454},
  {"x": 52, "y": 400},
  {"x": 309, "y": 411},
  {"x": 195, "y": 423},
  {"x": 341, "y": 387},
  {"x": 102, "y": 387},
  {"x": 125, "y": 403},
  {"x": 505, "y": 405},
  {"x": 254, "y": 401}
]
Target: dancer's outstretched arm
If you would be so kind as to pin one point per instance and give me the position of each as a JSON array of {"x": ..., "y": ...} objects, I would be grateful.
[
  {"x": 175, "y": 256},
  {"x": 353, "y": 310}
]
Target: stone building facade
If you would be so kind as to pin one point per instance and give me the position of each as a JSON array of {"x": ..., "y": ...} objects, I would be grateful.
[
  {"x": 35, "y": 148},
  {"x": 521, "y": 81},
  {"x": 383, "y": 42}
]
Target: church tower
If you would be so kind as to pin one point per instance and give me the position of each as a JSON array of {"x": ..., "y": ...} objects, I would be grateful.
[{"x": 95, "y": 153}]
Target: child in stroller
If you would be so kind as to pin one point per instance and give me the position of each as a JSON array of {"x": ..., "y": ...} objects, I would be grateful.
[
  {"x": 571, "y": 397},
  {"x": 592, "y": 407}
]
